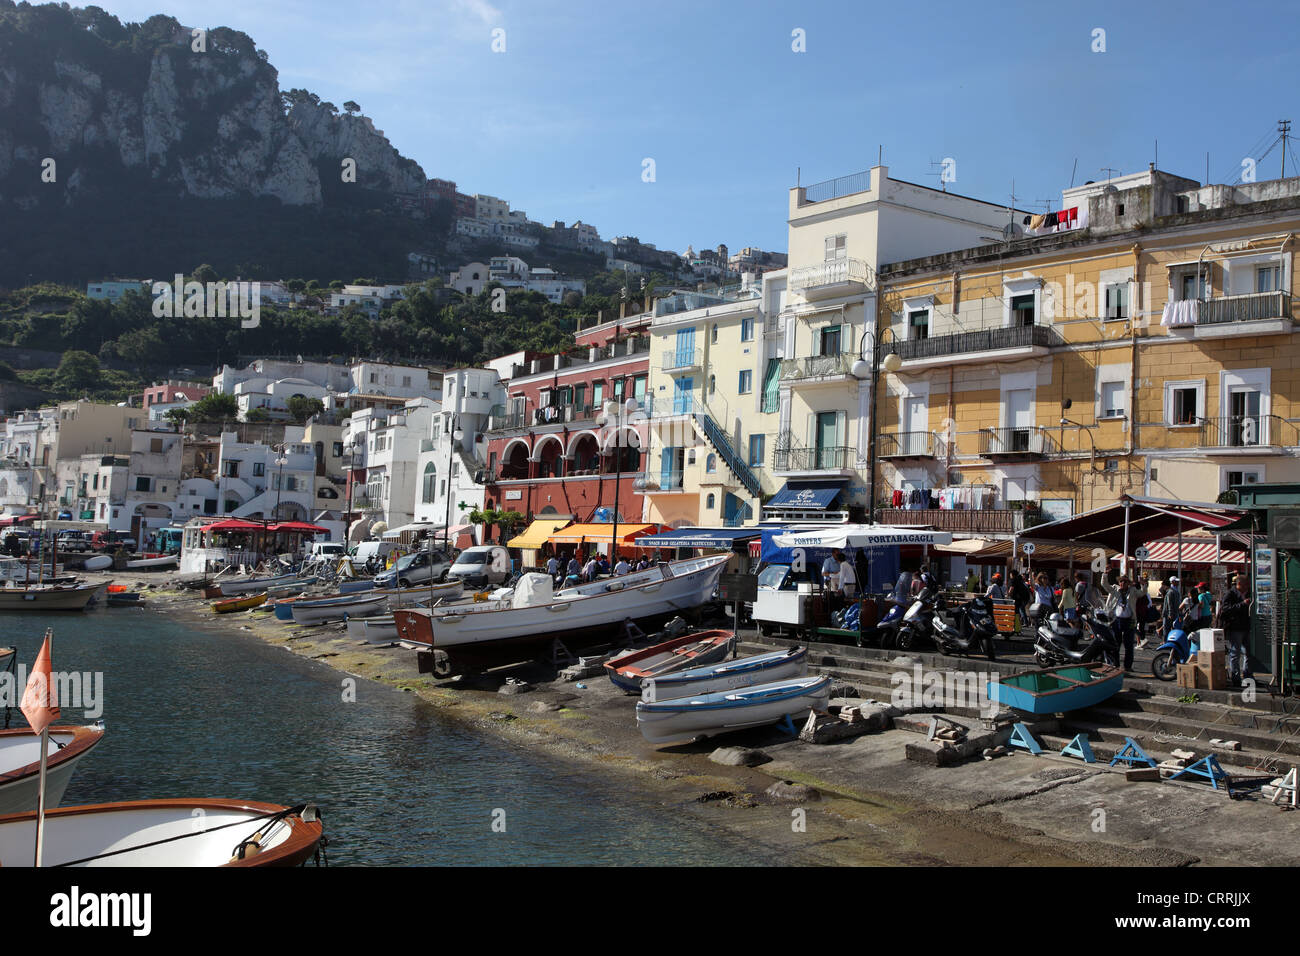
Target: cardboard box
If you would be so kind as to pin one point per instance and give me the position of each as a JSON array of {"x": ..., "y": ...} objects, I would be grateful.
[
  {"x": 1213, "y": 669},
  {"x": 1211, "y": 639},
  {"x": 1187, "y": 676}
]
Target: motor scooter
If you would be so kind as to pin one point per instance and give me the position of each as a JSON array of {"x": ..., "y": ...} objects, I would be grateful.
[
  {"x": 1053, "y": 650},
  {"x": 978, "y": 629},
  {"x": 1174, "y": 651}
]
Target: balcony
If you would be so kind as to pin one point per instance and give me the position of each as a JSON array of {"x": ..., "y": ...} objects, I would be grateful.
[
  {"x": 663, "y": 482},
  {"x": 817, "y": 369},
  {"x": 912, "y": 445},
  {"x": 984, "y": 345},
  {"x": 793, "y": 459},
  {"x": 992, "y": 521},
  {"x": 549, "y": 415},
  {"x": 835, "y": 278},
  {"x": 1255, "y": 307},
  {"x": 1016, "y": 443},
  {"x": 682, "y": 360}
]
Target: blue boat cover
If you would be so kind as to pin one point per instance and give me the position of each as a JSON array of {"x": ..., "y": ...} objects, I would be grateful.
[
  {"x": 807, "y": 494},
  {"x": 698, "y": 538}
]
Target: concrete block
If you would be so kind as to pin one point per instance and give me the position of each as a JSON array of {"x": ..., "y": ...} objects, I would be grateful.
[{"x": 1134, "y": 774}]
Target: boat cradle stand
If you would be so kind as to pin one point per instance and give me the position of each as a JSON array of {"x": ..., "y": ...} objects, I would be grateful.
[
  {"x": 1131, "y": 754},
  {"x": 1079, "y": 747},
  {"x": 1021, "y": 737},
  {"x": 1207, "y": 767}
]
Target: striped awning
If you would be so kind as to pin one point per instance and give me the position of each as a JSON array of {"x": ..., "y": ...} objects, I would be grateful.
[
  {"x": 1045, "y": 552},
  {"x": 1197, "y": 551}
]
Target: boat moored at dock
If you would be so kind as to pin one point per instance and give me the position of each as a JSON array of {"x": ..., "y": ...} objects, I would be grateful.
[{"x": 20, "y": 761}]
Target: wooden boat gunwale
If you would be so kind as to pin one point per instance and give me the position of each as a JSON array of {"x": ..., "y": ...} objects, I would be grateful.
[
  {"x": 626, "y": 666},
  {"x": 1104, "y": 673},
  {"x": 83, "y": 739}
]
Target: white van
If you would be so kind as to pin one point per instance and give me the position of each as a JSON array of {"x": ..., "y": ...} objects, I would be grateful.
[
  {"x": 372, "y": 556},
  {"x": 327, "y": 549},
  {"x": 485, "y": 565}
]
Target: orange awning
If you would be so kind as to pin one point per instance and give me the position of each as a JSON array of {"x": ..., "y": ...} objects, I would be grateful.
[{"x": 600, "y": 533}]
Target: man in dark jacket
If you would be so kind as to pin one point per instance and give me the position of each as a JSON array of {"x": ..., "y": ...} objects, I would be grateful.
[{"x": 1234, "y": 616}]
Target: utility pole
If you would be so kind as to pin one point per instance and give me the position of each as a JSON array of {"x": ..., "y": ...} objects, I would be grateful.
[{"x": 1284, "y": 127}]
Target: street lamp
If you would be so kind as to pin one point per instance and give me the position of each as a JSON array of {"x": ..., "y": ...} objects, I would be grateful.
[
  {"x": 279, "y": 481},
  {"x": 861, "y": 370},
  {"x": 616, "y": 414},
  {"x": 353, "y": 445},
  {"x": 455, "y": 434}
]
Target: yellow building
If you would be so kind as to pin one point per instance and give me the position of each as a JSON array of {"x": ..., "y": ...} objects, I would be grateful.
[
  {"x": 1140, "y": 339},
  {"x": 712, "y": 404}
]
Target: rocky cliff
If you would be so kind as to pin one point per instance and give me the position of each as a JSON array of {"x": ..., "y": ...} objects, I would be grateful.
[{"x": 150, "y": 108}]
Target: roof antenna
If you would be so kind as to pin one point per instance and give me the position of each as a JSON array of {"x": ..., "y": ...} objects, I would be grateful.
[{"x": 1074, "y": 171}]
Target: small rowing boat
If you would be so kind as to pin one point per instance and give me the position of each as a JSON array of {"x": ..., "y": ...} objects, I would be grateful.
[
  {"x": 20, "y": 764},
  {"x": 727, "y": 675},
  {"x": 153, "y": 563},
  {"x": 1057, "y": 690},
  {"x": 231, "y": 605},
  {"x": 337, "y": 608},
  {"x": 702, "y": 647},
  {"x": 165, "y": 833},
  {"x": 49, "y": 598},
  {"x": 675, "y": 721},
  {"x": 242, "y": 585}
]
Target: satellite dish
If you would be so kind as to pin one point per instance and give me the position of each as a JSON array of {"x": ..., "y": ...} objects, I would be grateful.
[{"x": 1011, "y": 231}]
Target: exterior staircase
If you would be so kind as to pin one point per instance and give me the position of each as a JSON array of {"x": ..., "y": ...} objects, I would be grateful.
[{"x": 716, "y": 437}]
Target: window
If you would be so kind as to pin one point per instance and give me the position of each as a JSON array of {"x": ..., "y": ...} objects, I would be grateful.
[
  {"x": 338, "y": 449},
  {"x": 155, "y": 445},
  {"x": 1267, "y": 278},
  {"x": 406, "y": 381},
  {"x": 828, "y": 340},
  {"x": 756, "y": 445},
  {"x": 918, "y": 324},
  {"x": 142, "y": 484},
  {"x": 713, "y": 333},
  {"x": 1231, "y": 478},
  {"x": 1184, "y": 402},
  {"x": 837, "y": 247},
  {"x": 1112, "y": 399},
  {"x": 230, "y": 469},
  {"x": 746, "y": 330},
  {"x": 711, "y": 502},
  {"x": 1022, "y": 310},
  {"x": 711, "y": 463},
  {"x": 713, "y": 384},
  {"x": 746, "y": 381},
  {"x": 1190, "y": 287},
  {"x": 1115, "y": 301},
  {"x": 259, "y": 469}
]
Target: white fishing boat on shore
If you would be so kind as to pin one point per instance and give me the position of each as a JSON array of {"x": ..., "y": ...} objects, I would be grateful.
[
  {"x": 338, "y": 608},
  {"x": 156, "y": 563},
  {"x": 380, "y": 629},
  {"x": 232, "y": 586},
  {"x": 480, "y": 634},
  {"x": 20, "y": 763},
  {"x": 163, "y": 833},
  {"x": 707, "y": 715},
  {"x": 49, "y": 597},
  {"x": 727, "y": 675}
]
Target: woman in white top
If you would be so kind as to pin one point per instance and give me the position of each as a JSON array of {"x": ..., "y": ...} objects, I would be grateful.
[{"x": 848, "y": 577}]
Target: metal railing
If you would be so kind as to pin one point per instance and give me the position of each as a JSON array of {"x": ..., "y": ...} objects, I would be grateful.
[
  {"x": 983, "y": 340},
  {"x": 831, "y": 272},
  {"x": 912, "y": 445},
  {"x": 993, "y": 521},
  {"x": 663, "y": 480},
  {"x": 826, "y": 458},
  {"x": 1029, "y": 442},
  {"x": 818, "y": 366},
  {"x": 840, "y": 186},
  {"x": 682, "y": 358},
  {"x": 1247, "y": 431},
  {"x": 1244, "y": 308}
]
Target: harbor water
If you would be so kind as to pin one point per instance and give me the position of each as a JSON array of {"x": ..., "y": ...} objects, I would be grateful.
[{"x": 205, "y": 711}]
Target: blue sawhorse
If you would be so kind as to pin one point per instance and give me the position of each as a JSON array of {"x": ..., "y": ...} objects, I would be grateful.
[
  {"x": 1021, "y": 737},
  {"x": 1208, "y": 767},
  {"x": 1079, "y": 747},
  {"x": 1131, "y": 754}
]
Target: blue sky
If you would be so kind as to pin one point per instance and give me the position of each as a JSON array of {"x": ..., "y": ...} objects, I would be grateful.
[{"x": 560, "y": 123}]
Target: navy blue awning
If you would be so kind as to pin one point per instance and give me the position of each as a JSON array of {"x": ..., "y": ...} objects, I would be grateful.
[
  {"x": 722, "y": 538},
  {"x": 807, "y": 494}
]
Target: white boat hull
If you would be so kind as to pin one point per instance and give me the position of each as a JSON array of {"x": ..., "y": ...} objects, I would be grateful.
[
  {"x": 322, "y": 613},
  {"x": 20, "y": 754},
  {"x": 729, "y": 675},
  {"x": 143, "y": 564},
  {"x": 676, "y": 721}
]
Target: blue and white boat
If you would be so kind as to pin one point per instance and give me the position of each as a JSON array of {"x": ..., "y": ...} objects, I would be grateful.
[
  {"x": 727, "y": 675},
  {"x": 1057, "y": 690},
  {"x": 676, "y": 721}
]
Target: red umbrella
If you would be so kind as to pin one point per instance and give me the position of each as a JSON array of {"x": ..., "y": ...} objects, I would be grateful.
[
  {"x": 300, "y": 526},
  {"x": 233, "y": 524}
]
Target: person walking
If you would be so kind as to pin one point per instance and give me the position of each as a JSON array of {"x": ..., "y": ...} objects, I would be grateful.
[
  {"x": 1204, "y": 606},
  {"x": 553, "y": 567},
  {"x": 1122, "y": 606},
  {"x": 847, "y": 576},
  {"x": 1018, "y": 591},
  {"x": 1043, "y": 594},
  {"x": 1234, "y": 617},
  {"x": 1169, "y": 603},
  {"x": 972, "y": 582},
  {"x": 995, "y": 592},
  {"x": 622, "y": 567}
]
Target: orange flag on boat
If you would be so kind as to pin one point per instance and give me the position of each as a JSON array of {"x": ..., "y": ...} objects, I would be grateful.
[{"x": 39, "y": 705}]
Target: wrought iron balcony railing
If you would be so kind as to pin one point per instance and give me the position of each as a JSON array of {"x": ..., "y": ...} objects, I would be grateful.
[
  {"x": 912, "y": 445},
  {"x": 826, "y": 458},
  {"x": 983, "y": 340}
]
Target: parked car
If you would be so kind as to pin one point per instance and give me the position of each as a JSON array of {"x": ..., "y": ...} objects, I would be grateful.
[
  {"x": 486, "y": 565},
  {"x": 111, "y": 541},
  {"x": 72, "y": 540},
  {"x": 327, "y": 549},
  {"x": 412, "y": 569},
  {"x": 372, "y": 555}
]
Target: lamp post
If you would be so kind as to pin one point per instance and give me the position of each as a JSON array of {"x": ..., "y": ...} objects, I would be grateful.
[
  {"x": 454, "y": 434},
  {"x": 279, "y": 481},
  {"x": 861, "y": 370},
  {"x": 614, "y": 412},
  {"x": 347, "y": 514}
]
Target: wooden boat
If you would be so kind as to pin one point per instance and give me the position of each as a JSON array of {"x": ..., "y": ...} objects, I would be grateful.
[
  {"x": 707, "y": 715},
  {"x": 702, "y": 647},
  {"x": 512, "y": 626},
  {"x": 360, "y": 584},
  {"x": 98, "y": 562},
  {"x": 337, "y": 608},
  {"x": 49, "y": 598},
  {"x": 1057, "y": 690},
  {"x": 151, "y": 564},
  {"x": 20, "y": 764},
  {"x": 231, "y": 605},
  {"x": 727, "y": 675},
  {"x": 242, "y": 585},
  {"x": 363, "y": 603},
  {"x": 164, "y": 833},
  {"x": 125, "y": 599}
]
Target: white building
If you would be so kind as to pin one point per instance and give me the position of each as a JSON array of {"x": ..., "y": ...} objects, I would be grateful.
[
  {"x": 470, "y": 278},
  {"x": 490, "y": 208},
  {"x": 259, "y": 481}
]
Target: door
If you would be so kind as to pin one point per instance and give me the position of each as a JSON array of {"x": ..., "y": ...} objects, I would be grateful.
[
  {"x": 684, "y": 357},
  {"x": 667, "y": 457},
  {"x": 915, "y": 419},
  {"x": 1245, "y": 425},
  {"x": 683, "y": 394},
  {"x": 829, "y": 439},
  {"x": 1020, "y": 419}
]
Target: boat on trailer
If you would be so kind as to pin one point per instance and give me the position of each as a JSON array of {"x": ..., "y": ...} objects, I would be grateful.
[
  {"x": 1057, "y": 690},
  {"x": 630, "y": 671},
  {"x": 707, "y": 715},
  {"x": 233, "y": 833},
  {"x": 727, "y": 675},
  {"x": 20, "y": 763},
  {"x": 512, "y": 626}
]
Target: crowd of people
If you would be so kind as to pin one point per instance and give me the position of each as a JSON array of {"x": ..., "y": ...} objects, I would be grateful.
[{"x": 577, "y": 569}]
